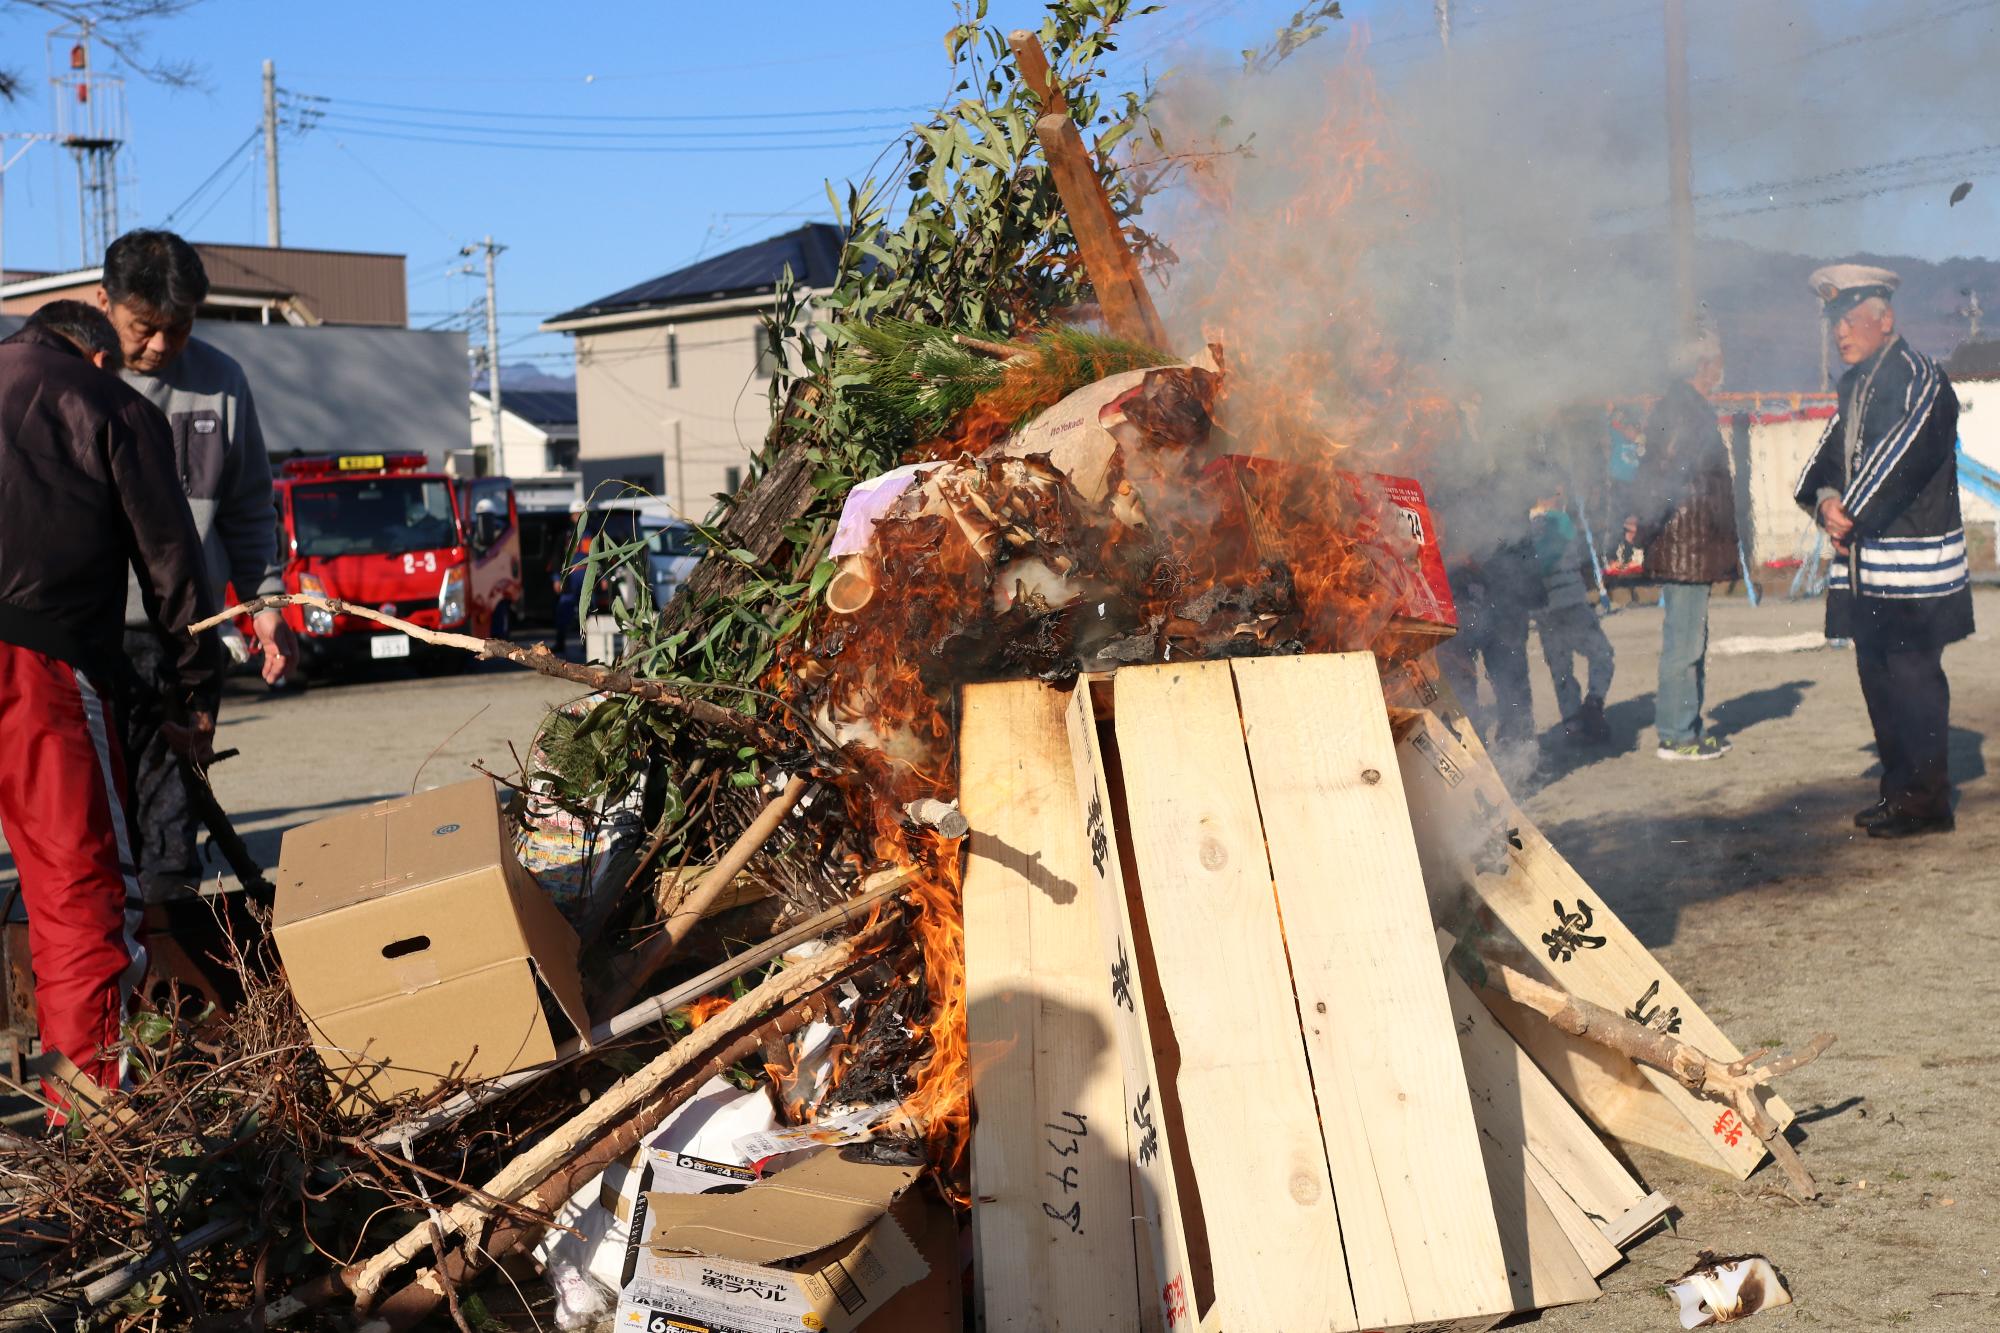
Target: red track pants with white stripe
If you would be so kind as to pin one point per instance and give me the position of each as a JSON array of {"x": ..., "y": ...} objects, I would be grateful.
[{"x": 62, "y": 809}]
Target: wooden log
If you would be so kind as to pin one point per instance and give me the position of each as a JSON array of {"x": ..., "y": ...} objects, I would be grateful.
[
  {"x": 1100, "y": 242},
  {"x": 1409, "y": 1177},
  {"x": 1253, "y": 1132},
  {"x": 1163, "y": 1246},
  {"x": 1488, "y": 867},
  {"x": 1052, "y": 1227}
]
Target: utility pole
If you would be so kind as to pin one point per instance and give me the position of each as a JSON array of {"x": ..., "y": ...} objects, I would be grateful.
[
  {"x": 272, "y": 237},
  {"x": 492, "y": 251},
  {"x": 1680, "y": 166}
]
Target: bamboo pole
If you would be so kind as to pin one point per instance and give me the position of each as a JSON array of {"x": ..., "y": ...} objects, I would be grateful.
[{"x": 695, "y": 905}]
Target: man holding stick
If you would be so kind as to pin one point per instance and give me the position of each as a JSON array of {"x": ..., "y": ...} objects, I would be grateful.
[
  {"x": 88, "y": 497},
  {"x": 1884, "y": 486}
]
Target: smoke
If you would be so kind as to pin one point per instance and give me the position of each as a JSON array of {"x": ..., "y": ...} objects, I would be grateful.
[{"x": 1387, "y": 228}]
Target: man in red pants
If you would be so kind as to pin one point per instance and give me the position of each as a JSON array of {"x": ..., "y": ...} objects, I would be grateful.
[{"x": 87, "y": 491}]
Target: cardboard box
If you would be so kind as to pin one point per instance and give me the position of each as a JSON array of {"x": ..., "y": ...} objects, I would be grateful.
[
  {"x": 417, "y": 947},
  {"x": 812, "y": 1249}
]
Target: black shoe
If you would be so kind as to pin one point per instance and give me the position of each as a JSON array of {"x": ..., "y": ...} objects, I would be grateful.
[
  {"x": 1873, "y": 815},
  {"x": 1910, "y": 826},
  {"x": 1595, "y": 728}
]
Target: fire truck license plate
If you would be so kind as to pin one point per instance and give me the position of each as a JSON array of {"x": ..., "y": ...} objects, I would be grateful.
[
  {"x": 389, "y": 645},
  {"x": 361, "y": 462}
]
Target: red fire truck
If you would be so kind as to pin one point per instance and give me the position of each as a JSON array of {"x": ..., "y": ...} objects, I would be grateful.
[{"x": 391, "y": 532}]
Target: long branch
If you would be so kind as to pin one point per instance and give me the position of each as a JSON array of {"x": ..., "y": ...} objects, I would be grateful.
[
  {"x": 1734, "y": 1083},
  {"x": 537, "y": 658}
]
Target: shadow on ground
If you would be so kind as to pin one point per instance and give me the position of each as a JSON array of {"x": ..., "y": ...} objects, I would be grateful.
[
  {"x": 1649, "y": 871},
  {"x": 1766, "y": 705}
]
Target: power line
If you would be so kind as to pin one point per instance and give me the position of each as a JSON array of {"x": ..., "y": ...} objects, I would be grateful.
[
  {"x": 606, "y": 148},
  {"x": 213, "y": 176},
  {"x": 348, "y": 119},
  {"x": 606, "y": 118}
]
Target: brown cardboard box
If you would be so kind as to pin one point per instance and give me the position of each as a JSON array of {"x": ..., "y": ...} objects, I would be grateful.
[
  {"x": 814, "y": 1247},
  {"x": 417, "y": 946}
]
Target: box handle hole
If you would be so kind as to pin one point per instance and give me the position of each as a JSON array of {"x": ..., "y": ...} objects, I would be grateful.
[{"x": 402, "y": 948}]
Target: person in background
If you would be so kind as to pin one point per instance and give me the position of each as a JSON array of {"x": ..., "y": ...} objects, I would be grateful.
[
  {"x": 153, "y": 283},
  {"x": 1884, "y": 485},
  {"x": 1567, "y": 623},
  {"x": 1684, "y": 517},
  {"x": 88, "y": 499}
]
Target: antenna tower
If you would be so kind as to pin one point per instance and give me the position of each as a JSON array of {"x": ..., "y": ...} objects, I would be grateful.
[{"x": 91, "y": 124}]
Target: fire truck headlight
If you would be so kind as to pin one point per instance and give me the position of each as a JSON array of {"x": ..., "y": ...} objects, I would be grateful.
[
  {"x": 318, "y": 620},
  {"x": 451, "y": 598}
]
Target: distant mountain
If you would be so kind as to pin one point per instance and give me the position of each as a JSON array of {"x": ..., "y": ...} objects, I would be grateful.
[
  {"x": 1770, "y": 322},
  {"x": 527, "y": 376}
]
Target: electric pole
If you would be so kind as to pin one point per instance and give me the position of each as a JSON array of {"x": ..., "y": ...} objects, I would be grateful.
[
  {"x": 1680, "y": 166},
  {"x": 491, "y": 251},
  {"x": 271, "y": 156}
]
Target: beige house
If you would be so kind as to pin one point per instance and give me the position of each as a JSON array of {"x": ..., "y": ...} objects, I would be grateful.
[{"x": 672, "y": 374}]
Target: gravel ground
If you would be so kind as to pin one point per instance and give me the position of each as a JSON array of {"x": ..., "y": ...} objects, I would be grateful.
[{"x": 1743, "y": 875}]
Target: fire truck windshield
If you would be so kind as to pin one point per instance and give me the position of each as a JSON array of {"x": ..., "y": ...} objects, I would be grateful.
[{"x": 372, "y": 515}]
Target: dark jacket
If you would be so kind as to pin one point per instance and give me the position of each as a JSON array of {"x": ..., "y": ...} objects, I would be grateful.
[
  {"x": 87, "y": 491},
  {"x": 1682, "y": 494},
  {"x": 1899, "y": 483}
]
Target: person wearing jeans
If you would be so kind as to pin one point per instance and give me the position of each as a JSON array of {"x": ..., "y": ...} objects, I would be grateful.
[{"x": 1684, "y": 517}]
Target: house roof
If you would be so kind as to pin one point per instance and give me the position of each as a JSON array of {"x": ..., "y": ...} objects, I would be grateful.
[
  {"x": 812, "y": 252},
  {"x": 1975, "y": 361},
  {"x": 542, "y": 407}
]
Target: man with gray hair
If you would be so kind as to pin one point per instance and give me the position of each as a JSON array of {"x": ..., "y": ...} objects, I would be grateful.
[
  {"x": 1884, "y": 485},
  {"x": 1684, "y": 516}
]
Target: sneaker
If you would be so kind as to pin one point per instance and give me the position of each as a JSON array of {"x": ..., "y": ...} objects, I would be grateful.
[
  {"x": 1708, "y": 747},
  {"x": 1873, "y": 815}
]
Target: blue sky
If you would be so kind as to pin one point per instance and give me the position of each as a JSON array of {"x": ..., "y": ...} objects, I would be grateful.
[{"x": 590, "y": 197}]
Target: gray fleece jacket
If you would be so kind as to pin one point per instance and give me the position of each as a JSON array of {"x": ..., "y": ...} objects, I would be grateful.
[{"x": 219, "y": 456}]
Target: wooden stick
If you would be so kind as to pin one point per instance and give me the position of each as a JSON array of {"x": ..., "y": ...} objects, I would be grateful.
[
  {"x": 1107, "y": 260},
  {"x": 512, "y": 1234},
  {"x": 538, "y": 1163},
  {"x": 655, "y": 1010},
  {"x": 986, "y": 347},
  {"x": 695, "y": 905},
  {"x": 537, "y": 658},
  {"x": 1735, "y": 1084}
]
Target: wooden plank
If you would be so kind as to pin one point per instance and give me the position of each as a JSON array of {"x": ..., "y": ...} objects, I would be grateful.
[
  {"x": 1162, "y": 1240},
  {"x": 1409, "y": 1177},
  {"x": 1637, "y": 1220},
  {"x": 1051, "y": 1227},
  {"x": 1517, "y": 1106},
  {"x": 1252, "y": 1131},
  {"x": 1484, "y": 858},
  {"x": 1562, "y": 1149}
]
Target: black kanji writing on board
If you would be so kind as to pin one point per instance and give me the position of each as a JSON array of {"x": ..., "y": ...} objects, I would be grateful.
[
  {"x": 1121, "y": 978},
  {"x": 1067, "y": 1179},
  {"x": 1100, "y": 841},
  {"x": 1149, "y": 1133},
  {"x": 1568, "y": 936},
  {"x": 1655, "y": 1018}
]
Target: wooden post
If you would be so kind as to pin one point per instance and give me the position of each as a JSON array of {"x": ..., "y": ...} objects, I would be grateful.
[{"x": 1107, "y": 260}]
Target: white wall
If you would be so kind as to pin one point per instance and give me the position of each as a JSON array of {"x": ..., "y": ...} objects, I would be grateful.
[{"x": 691, "y": 434}]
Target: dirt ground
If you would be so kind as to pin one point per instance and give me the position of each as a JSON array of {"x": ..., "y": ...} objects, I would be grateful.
[
  {"x": 1746, "y": 878},
  {"x": 1744, "y": 875}
]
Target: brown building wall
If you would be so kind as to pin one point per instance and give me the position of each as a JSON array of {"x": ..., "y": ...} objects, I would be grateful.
[{"x": 338, "y": 286}]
